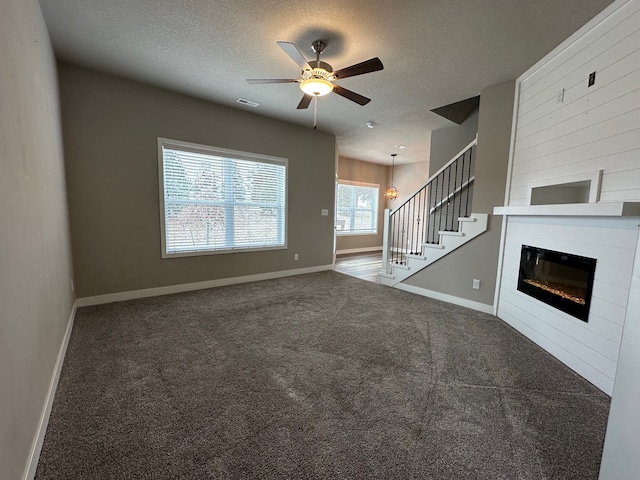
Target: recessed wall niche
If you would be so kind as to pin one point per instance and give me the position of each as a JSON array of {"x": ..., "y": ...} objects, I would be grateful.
[{"x": 567, "y": 190}]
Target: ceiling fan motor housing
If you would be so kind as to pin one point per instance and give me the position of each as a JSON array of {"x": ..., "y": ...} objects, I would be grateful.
[{"x": 320, "y": 70}]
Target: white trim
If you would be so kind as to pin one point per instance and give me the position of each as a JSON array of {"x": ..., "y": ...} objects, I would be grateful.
[
  {"x": 512, "y": 141},
  {"x": 358, "y": 250},
  {"x": 187, "y": 287},
  {"x": 507, "y": 194},
  {"x": 463, "y": 302},
  {"x": 503, "y": 237},
  {"x": 36, "y": 446},
  {"x": 594, "y": 178},
  {"x": 386, "y": 241},
  {"x": 357, "y": 184},
  {"x": 218, "y": 151},
  {"x": 200, "y": 253},
  {"x": 355, "y": 233},
  {"x": 600, "y": 209},
  {"x": 352, "y": 209},
  {"x": 225, "y": 153}
]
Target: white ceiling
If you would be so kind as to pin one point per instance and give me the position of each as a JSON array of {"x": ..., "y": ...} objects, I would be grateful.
[{"x": 435, "y": 52}]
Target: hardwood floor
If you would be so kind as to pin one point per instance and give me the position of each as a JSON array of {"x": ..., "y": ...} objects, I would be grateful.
[{"x": 362, "y": 265}]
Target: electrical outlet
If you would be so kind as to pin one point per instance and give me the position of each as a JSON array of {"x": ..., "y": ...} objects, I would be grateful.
[
  {"x": 560, "y": 96},
  {"x": 592, "y": 79},
  {"x": 476, "y": 284},
  {"x": 295, "y": 257}
]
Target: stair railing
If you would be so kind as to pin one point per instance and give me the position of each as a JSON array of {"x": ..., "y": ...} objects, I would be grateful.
[{"x": 434, "y": 207}]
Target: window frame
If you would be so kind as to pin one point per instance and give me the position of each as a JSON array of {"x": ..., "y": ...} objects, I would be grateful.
[
  {"x": 226, "y": 153},
  {"x": 345, "y": 233}
]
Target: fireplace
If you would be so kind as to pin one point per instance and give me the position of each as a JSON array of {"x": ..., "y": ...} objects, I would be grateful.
[{"x": 562, "y": 280}]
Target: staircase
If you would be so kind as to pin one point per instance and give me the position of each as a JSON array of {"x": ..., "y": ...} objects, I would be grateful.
[{"x": 432, "y": 222}]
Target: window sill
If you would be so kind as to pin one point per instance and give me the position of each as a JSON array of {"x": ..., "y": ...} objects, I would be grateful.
[{"x": 341, "y": 233}]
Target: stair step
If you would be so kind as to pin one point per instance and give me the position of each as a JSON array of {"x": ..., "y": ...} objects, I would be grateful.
[
  {"x": 399, "y": 265},
  {"x": 386, "y": 275},
  {"x": 432, "y": 245},
  {"x": 470, "y": 228}
]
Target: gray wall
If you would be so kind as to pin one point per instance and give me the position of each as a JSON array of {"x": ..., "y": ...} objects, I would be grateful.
[
  {"x": 110, "y": 130},
  {"x": 447, "y": 142},
  {"x": 358, "y": 171},
  {"x": 454, "y": 273},
  {"x": 408, "y": 179},
  {"x": 35, "y": 257}
]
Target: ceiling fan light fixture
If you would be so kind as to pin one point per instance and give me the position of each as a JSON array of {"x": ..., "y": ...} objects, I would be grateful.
[{"x": 316, "y": 87}]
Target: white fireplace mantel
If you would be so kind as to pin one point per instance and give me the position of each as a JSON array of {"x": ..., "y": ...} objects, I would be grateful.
[{"x": 598, "y": 209}]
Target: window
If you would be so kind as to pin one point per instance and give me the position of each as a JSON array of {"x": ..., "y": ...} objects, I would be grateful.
[
  {"x": 356, "y": 208},
  {"x": 220, "y": 201}
]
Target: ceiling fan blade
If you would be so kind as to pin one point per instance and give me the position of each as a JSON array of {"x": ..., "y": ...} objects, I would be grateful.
[
  {"x": 273, "y": 80},
  {"x": 348, "y": 94},
  {"x": 291, "y": 50},
  {"x": 304, "y": 103},
  {"x": 371, "y": 65}
]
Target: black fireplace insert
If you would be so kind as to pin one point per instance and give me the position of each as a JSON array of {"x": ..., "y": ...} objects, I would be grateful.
[{"x": 562, "y": 280}]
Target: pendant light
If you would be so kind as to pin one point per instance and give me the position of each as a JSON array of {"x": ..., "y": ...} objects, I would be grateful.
[{"x": 392, "y": 192}]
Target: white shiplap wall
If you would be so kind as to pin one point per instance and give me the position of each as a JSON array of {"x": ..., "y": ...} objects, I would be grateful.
[
  {"x": 592, "y": 128},
  {"x": 591, "y": 349},
  {"x": 587, "y": 130}
]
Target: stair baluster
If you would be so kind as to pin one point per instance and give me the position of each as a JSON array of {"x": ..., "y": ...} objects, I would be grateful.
[{"x": 420, "y": 218}]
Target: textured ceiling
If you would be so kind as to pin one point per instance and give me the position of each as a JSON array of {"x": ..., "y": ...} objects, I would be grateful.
[{"x": 435, "y": 52}]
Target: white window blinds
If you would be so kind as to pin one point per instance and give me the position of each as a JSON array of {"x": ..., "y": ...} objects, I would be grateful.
[
  {"x": 219, "y": 201},
  {"x": 356, "y": 208}
]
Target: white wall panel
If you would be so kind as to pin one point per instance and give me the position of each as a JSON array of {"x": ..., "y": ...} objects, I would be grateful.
[
  {"x": 611, "y": 66},
  {"x": 564, "y": 128},
  {"x": 601, "y": 150},
  {"x": 591, "y": 128},
  {"x": 626, "y": 161},
  {"x": 588, "y": 43},
  {"x": 590, "y": 348},
  {"x": 595, "y": 376},
  {"x": 621, "y": 122},
  {"x": 590, "y": 112}
]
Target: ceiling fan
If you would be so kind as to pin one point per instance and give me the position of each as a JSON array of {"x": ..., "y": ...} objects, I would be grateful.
[{"x": 317, "y": 77}]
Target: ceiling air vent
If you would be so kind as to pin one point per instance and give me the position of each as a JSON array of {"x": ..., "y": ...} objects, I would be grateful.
[{"x": 248, "y": 103}]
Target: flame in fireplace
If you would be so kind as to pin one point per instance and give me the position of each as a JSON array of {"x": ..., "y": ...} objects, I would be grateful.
[{"x": 556, "y": 291}]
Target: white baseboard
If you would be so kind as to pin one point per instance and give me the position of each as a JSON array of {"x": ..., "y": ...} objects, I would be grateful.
[
  {"x": 36, "y": 447},
  {"x": 187, "y": 287},
  {"x": 463, "y": 302},
  {"x": 358, "y": 250}
]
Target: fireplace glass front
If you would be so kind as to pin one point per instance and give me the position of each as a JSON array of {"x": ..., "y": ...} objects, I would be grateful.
[{"x": 562, "y": 280}]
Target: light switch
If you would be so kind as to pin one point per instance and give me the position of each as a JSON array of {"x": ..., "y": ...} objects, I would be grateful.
[{"x": 324, "y": 212}]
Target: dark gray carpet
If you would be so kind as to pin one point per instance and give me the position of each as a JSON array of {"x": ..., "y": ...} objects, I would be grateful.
[{"x": 315, "y": 376}]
